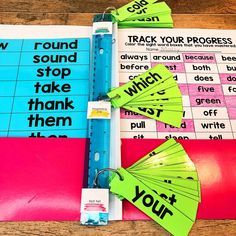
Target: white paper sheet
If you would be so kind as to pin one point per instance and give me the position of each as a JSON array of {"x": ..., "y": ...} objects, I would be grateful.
[
  {"x": 203, "y": 62},
  {"x": 59, "y": 31}
]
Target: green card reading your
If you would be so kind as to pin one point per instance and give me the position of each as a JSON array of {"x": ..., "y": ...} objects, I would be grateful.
[{"x": 164, "y": 185}]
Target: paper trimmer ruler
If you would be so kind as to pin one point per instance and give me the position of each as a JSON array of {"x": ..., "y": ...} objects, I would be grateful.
[{"x": 99, "y": 129}]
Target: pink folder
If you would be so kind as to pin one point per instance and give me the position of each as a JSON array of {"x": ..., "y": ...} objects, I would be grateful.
[
  {"x": 216, "y": 164},
  {"x": 41, "y": 179}
]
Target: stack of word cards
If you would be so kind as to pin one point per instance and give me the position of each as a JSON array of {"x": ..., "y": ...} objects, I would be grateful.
[
  {"x": 164, "y": 185},
  {"x": 154, "y": 94},
  {"x": 144, "y": 14},
  {"x": 44, "y": 87}
]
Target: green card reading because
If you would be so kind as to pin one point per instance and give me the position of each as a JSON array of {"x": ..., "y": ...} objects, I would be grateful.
[
  {"x": 154, "y": 94},
  {"x": 169, "y": 197}
]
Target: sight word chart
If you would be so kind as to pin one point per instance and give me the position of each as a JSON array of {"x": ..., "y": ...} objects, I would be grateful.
[
  {"x": 44, "y": 87},
  {"x": 203, "y": 63}
]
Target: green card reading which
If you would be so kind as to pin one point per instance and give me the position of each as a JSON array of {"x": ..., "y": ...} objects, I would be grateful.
[
  {"x": 154, "y": 94},
  {"x": 164, "y": 185}
]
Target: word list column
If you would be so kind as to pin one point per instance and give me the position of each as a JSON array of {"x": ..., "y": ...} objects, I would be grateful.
[
  {"x": 10, "y": 51},
  {"x": 52, "y": 89},
  {"x": 174, "y": 62},
  {"x": 227, "y": 70},
  {"x": 211, "y": 119},
  {"x": 134, "y": 125}
]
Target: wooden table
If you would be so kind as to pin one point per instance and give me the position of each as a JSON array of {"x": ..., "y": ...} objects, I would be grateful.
[{"x": 213, "y": 14}]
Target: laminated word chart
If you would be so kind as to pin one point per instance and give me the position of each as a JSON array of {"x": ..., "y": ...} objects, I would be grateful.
[
  {"x": 44, "y": 87},
  {"x": 204, "y": 65}
]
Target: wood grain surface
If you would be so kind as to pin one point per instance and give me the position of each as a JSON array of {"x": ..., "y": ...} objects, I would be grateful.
[
  {"x": 213, "y": 14},
  {"x": 85, "y": 6}
]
